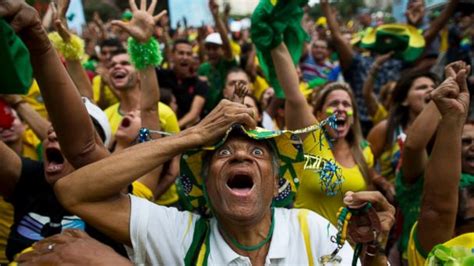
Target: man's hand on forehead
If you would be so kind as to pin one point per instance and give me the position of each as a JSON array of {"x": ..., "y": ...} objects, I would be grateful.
[{"x": 213, "y": 127}]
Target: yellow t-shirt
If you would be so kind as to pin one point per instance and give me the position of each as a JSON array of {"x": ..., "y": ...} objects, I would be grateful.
[
  {"x": 168, "y": 120},
  {"x": 31, "y": 145},
  {"x": 380, "y": 115},
  {"x": 6, "y": 220},
  {"x": 390, "y": 158},
  {"x": 108, "y": 94},
  {"x": 235, "y": 47},
  {"x": 142, "y": 191},
  {"x": 311, "y": 196},
  {"x": 169, "y": 123},
  {"x": 35, "y": 99},
  {"x": 416, "y": 255},
  {"x": 259, "y": 87},
  {"x": 168, "y": 198}
]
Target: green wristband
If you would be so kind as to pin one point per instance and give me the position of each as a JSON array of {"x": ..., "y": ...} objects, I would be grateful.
[{"x": 146, "y": 54}]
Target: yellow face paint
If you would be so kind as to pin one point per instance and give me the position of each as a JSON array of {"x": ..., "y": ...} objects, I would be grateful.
[
  {"x": 330, "y": 110},
  {"x": 350, "y": 112}
]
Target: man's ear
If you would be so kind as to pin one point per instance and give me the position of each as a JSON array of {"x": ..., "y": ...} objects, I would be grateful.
[{"x": 276, "y": 187}]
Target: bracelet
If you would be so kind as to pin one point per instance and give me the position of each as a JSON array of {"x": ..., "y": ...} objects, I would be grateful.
[
  {"x": 144, "y": 134},
  {"x": 145, "y": 54},
  {"x": 72, "y": 50}
]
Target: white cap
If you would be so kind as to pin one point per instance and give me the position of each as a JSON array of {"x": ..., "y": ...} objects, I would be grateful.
[
  {"x": 99, "y": 116},
  {"x": 214, "y": 38}
]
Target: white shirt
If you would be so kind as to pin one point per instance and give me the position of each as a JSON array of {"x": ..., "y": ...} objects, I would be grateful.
[{"x": 162, "y": 236}]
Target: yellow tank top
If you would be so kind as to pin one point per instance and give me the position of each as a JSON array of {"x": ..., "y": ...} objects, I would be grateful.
[{"x": 310, "y": 194}]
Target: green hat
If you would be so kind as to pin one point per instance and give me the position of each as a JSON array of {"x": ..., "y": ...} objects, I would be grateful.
[
  {"x": 288, "y": 148},
  {"x": 405, "y": 40},
  {"x": 16, "y": 73}
]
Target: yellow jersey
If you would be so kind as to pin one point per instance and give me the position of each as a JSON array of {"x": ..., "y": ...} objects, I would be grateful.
[
  {"x": 310, "y": 194},
  {"x": 455, "y": 251},
  {"x": 168, "y": 120},
  {"x": 380, "y": 115},
  {"x": 35, "y": 99},
  {"x": 109, "y": 96}
]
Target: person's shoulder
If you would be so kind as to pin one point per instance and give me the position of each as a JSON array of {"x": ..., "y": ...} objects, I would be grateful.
[
  {"x": 204, "y": 68},
  {"x": 32, "y": 178},
  {"x": 226, "y": 63},
  {"x": 97, "y": 79},
  {"x": 31, "y": 166},
  {"x": 165, "y": 110},
  {"x": 161, "y": 72},
  {"x": 112, "y": 109},
  {"x": 168, "y": 118},
  {"x": 380, "y": 128},
  {"x": 143, "y": 206}
]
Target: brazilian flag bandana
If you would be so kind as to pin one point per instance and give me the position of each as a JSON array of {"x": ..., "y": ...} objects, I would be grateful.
[{"x": 274, "y": 22}]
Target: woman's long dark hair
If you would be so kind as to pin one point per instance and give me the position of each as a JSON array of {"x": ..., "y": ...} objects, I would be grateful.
[{"x": 399, "y": 114}]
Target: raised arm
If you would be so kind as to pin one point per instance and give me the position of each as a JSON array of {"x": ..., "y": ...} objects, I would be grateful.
[
  {"x": 141, "y": 29},
  {"x": 66, "y": 110},
  {"x": 440, "y": 190},
  {"x": 438, "y": 24},
  {"x": 10, "y": 171},
  {"x": 97, "y": 188},
  {"x": 415, "y": 156},
  {"x": 346, "y": 54},
  {"x": 193, "y": 115},
  {"x": 221, "y": 28},
  {"x": 30, "y": 116},
  {"x": 297, "y": 111},
  {"x": 368, "y": 89},
  {"x": 74, "y": 66}
]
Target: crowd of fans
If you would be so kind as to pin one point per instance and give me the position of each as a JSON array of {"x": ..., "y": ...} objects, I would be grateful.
[{"x": 238, "y": 131}]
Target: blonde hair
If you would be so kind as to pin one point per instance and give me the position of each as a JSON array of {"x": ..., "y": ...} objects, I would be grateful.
[{"x": 354, "y": 137}]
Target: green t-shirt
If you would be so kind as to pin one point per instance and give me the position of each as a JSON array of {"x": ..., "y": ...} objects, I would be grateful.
[{"x": 216, "y": 79}]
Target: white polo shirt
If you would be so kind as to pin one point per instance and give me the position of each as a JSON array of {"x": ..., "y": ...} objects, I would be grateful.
[{"x": 162, "y": 236}]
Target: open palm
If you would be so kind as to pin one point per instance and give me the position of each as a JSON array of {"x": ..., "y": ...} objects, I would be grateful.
[{"x": 142, "y": 25}]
